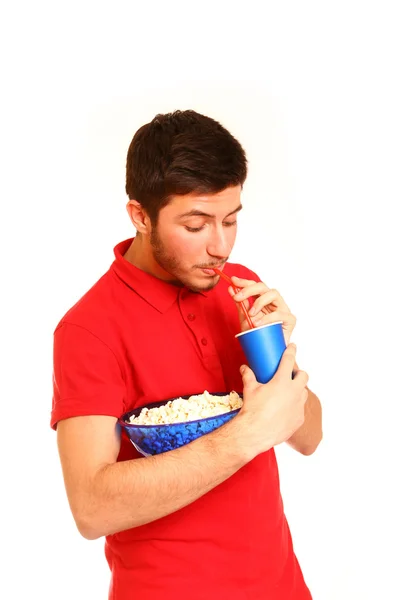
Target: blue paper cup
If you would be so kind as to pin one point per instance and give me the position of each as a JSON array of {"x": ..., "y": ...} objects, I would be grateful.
[{"x": 263, "y": 347}]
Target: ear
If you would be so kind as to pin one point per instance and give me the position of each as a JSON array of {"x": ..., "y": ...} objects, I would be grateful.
[{"x": 139, "y": 217}]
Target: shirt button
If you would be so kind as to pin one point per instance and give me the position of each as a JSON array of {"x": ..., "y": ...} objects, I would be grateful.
[
  {"x": 204, "y": 341},
  {"x": 191, "y": 317}
]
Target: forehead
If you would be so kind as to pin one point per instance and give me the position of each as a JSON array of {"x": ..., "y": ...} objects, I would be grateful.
[{"x": 219, "y": 204}]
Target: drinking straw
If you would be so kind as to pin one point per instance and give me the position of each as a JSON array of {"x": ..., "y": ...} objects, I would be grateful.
[{"x": 229, "y": 280}]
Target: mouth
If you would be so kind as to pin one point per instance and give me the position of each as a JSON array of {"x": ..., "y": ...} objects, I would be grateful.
[{"x": 211, "y": 271}]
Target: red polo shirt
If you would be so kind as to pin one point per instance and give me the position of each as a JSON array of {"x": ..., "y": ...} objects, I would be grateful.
[{"x": 134, "y": 339}]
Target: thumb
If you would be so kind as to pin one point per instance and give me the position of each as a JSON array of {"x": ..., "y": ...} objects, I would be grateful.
[
  {"x": 287, "y": 362},
  {"x": 248, "y": 377},
  {"x": 231, "y": 291}
]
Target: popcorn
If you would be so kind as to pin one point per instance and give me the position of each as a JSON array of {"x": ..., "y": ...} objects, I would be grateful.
[{"x": 196, "y": 407}]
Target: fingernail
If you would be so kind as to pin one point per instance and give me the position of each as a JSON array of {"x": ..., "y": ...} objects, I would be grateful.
[
  {"x": 252, "y": 311},
  {"x": 242, "y": 369}
]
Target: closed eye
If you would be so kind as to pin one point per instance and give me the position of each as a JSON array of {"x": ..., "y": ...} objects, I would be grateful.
[
  {"x": 194, "y": 229},
  {"x": 197, "y": 229}
]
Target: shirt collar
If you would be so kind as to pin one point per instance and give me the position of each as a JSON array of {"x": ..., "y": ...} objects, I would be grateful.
[{"x": 156, "y": 292}]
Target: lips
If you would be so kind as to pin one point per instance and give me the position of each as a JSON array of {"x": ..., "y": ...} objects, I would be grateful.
[{"x": 211, "y": 271}]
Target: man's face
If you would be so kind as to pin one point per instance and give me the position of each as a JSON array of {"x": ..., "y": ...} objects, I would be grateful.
[{"x": 195, "y": 233}]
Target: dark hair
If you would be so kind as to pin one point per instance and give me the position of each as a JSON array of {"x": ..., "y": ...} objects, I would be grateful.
[{"x": 181, "y": 153}]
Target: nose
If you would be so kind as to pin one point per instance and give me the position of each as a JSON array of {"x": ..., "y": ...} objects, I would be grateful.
[{"x": 219, "y": 243}]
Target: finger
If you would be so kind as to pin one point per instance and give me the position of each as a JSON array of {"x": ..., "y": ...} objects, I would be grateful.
[
  {"x": 240, "y": 282},
  {"x": 295, "y": 370},
  {"x": 233, "y": 292},
  {"x": 262, "y": 318},
  {"x": 269, "y": 297},
  {"x": 248, "y": 377},
  {"x": 287, "y": 363},
  {"x": 252, "y": 289},
  {"x": 304, "y": 396},
  {"x": 301, "y": 378},
  {"x": 242, "y": 316}
]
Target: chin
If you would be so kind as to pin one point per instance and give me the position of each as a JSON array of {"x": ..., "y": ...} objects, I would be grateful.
[{"x": 205, "y": 287}]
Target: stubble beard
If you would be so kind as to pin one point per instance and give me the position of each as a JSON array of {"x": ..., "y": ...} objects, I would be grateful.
[{"x": 172, "y": 265}]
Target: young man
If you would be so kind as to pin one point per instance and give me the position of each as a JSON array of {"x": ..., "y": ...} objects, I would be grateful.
[{"x": 204, "y": 521}]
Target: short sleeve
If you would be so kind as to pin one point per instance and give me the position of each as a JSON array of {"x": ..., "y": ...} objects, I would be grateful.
[{"x": 87, "y": 378}]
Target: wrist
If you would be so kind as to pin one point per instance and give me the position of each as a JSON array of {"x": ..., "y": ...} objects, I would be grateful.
[
  {"x": 241, "y": 437},
  {"x": 233, "y": 442}
]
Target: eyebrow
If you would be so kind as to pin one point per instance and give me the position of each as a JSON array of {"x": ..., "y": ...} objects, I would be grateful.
[{"x": 200, "y": 213}]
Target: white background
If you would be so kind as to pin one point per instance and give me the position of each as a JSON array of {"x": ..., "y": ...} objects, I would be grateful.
[{"x": 311, "y": 89}]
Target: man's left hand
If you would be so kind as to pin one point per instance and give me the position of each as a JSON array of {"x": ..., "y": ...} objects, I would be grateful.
[{"x": 269, "y": 306}]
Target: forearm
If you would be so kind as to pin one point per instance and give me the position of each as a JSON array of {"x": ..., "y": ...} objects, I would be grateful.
[
  {"x": 131, "y": 493},
  {"x": 309, "y": 435}
]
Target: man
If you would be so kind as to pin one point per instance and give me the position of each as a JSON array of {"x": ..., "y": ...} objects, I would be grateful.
[{"x": 206, "y": 520}]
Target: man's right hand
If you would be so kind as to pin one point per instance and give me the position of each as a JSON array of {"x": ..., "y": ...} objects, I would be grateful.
[{"x": 272, "y": 412}]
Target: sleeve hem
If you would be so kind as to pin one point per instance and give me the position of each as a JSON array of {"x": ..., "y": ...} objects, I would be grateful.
[{"x": 60, "y": 415}]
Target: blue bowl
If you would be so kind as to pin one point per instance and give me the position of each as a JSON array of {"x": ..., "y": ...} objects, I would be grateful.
[{"x": 155, "y": 439}]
